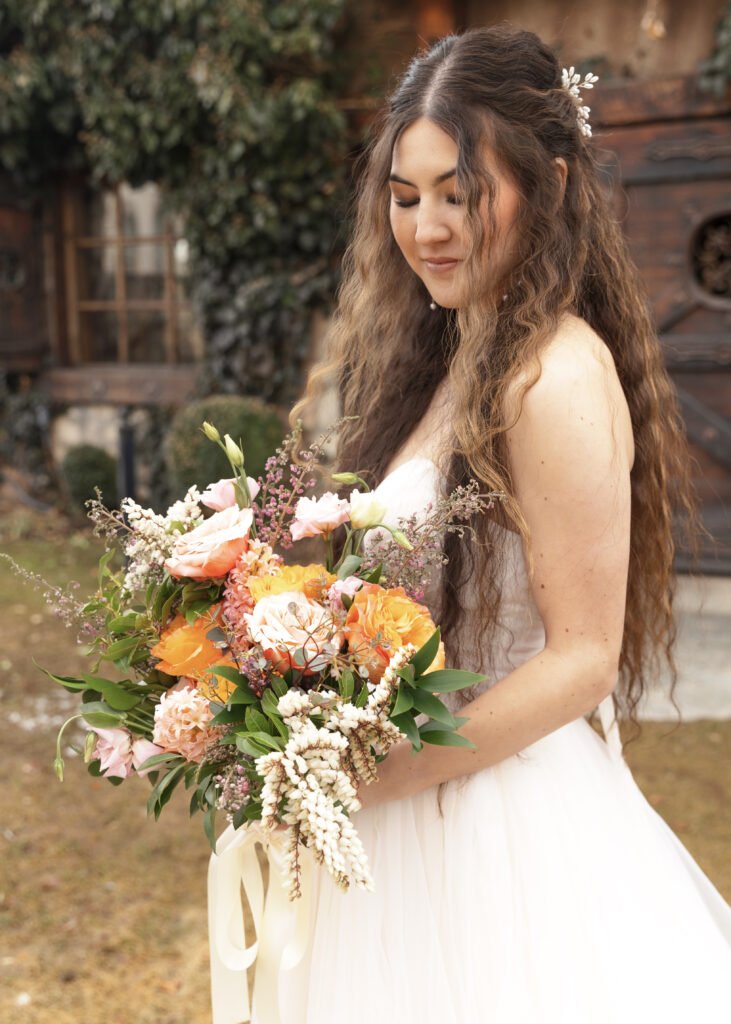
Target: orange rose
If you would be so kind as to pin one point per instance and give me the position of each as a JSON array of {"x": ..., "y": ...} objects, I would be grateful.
[
  {"x": 185, "y": 650},
  {"x": 395, "y": 618},
  {"x": 214, "y": 547},
  {"x": 313, "y": 580}
]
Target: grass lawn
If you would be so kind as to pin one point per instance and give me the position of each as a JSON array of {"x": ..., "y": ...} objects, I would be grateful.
[{"x": 103, "y": 912}]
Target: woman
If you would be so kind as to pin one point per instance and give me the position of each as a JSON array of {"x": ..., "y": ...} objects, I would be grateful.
[{"x": 490, "y": 325}]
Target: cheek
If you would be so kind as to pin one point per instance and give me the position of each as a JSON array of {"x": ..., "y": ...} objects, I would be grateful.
[{"x": 401, "y": 230}]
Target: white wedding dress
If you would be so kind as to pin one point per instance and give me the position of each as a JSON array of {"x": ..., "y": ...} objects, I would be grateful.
[{"x": 550, "y": 892}]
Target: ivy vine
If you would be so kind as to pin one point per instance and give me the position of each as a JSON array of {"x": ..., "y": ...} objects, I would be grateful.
[
  {"x": 229, "y": 106},
  {"x": 714, "y": 73}
]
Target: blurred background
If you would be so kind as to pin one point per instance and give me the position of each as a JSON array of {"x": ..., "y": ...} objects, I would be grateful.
[{"x": 174, "y": 183}]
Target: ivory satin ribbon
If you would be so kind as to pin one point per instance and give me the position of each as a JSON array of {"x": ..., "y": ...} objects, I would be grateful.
[{"x": 282, "y": 925}]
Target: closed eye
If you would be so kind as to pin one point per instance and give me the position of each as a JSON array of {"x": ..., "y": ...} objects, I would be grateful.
[{"x": 412, "y": 202}]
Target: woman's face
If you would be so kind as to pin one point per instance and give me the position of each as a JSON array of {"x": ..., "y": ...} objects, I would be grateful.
[{"x": 428, "y": 219}]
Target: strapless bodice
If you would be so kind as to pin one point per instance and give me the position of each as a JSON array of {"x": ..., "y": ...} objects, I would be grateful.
[{"x": 519, "y": 635}]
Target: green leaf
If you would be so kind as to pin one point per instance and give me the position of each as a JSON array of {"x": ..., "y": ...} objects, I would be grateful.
[
  {"x": 209, "y": 821},
  {"x": 256, "y": 721},
  {"x": 103, "y": 571},
  {"x": 433, "y": 707},
  {"x": 351, "y": 564},
  {"x": 99, "y": 715},
  {"x": 347, "y": 684},
  {"x": 444, "y": 738},
  {"x": 362, "y": 698},
  {"x": 122, "y": 623},
  {"x": 279, "y": 685},
  {"x": 448, "y": 680},
  {"x": 242, "y": 695},
  {"x": 374, "y": 575},
  {"x": 229, "y": 672},
  {"x": 266, "y": 740},
  {"x": 159, "y": 759},
  {"x": 405, "y": 723},
  {"x": 115, "y": 694},
  {"x": 121, "y": 648},
  {"x": 269, "y": 704},
  {"x": 227, "y": 716},
  {"x": 404, "y": 701},
  {"x": 248, "y": 746},
  {"x": 423, "y": 658},
  {"x": 164, "y": 789}
]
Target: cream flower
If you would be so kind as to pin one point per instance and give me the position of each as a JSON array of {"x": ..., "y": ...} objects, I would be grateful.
[
  {"x": 288, "y": 622},
  {"x": 366, "y": 509}
]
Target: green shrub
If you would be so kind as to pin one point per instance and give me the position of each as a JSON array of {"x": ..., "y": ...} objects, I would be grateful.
[
  {"x": 192, "y": 459},
  {"x": 86, "y": 467}
]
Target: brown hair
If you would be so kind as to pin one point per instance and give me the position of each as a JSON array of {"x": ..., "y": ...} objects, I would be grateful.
[{"x": 390, "y": 351}]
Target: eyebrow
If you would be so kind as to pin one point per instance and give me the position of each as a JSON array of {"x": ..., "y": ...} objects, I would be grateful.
[{"x": 437, "y": 181}]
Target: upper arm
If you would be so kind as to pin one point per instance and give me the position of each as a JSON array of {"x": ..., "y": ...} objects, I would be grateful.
[{"x": 570, "y": 454}]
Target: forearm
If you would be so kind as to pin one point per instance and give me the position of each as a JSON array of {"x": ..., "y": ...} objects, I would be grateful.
[{"x": 545, "y": 693}]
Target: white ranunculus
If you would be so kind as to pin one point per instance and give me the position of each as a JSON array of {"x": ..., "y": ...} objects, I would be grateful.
[{"x": 366, "y": 509}]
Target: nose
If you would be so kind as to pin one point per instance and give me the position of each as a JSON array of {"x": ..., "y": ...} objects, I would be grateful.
[{"x": 431, "y": 225}]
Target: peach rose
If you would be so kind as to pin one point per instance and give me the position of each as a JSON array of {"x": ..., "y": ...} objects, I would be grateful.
[
  {"x": 393, "y": 616},
  {"x": 222, "y": 495},
  {"x": 212, "y": 548},
  {"x": 184, "y": 648},
  {"x": 313, "y": 580},
  {"x": 283, "y": 623},
  {"x": 318, "y": 517}
]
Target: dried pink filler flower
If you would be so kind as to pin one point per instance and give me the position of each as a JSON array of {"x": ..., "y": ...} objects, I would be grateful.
[
  {"x": 259, "y": 560},
  {"x": 181, "y": 723}
]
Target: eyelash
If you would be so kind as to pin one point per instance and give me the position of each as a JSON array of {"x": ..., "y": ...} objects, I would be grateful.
[{"x": 404, "y": 203}]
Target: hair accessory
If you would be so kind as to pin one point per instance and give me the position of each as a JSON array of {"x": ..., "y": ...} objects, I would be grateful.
[{"x": 571, "y": 82}]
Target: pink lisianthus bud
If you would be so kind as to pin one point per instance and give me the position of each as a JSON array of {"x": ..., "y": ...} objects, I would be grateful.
[
  {"x": 349, "y": 587},
  {"x": 114, "y": 750},
  {"x": 143, "y": 749},
  {"x": 222, "y": 495},
  {"x": 318, "y": 517}
]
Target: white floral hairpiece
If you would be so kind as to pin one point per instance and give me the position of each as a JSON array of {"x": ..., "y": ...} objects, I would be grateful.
[{"x": 571, "y": 82}]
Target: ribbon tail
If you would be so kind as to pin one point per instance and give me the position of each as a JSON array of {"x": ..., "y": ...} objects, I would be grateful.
[{"x": 234, "y": 862}]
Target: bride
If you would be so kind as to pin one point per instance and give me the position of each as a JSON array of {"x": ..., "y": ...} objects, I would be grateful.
[{"x": 491, "y": 325}]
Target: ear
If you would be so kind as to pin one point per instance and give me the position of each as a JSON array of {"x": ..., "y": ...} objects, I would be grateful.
[{"x": 562, "y": 173}]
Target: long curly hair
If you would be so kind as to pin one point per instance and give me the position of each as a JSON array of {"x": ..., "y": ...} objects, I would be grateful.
[{"x": 389, "y": 351}]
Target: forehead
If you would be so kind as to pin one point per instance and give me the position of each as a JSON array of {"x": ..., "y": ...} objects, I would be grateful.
[{"x": 423, "y": 147}]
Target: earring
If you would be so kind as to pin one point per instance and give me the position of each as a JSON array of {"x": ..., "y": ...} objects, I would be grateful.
[{"x": 432, "y": 305}]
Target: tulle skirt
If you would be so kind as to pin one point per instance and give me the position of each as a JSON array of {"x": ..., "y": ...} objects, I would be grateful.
[{"x": 549, "y": 892}]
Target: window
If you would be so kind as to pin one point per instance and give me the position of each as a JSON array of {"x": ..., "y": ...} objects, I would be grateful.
[{"x": 126, "y": 276}]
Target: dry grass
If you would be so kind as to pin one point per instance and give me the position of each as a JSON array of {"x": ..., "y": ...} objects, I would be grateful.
[{"x": 102, "y": 912}]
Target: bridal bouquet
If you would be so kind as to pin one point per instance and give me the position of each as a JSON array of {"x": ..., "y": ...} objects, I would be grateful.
[{"x": 270, "y": 690}]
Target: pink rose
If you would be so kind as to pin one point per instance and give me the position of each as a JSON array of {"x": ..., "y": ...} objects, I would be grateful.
[
  {"x": 286, "y": 622},
  {"x": 114, "y": 750},
  {"x": 142, "y": 750},
  {"x": 214, "y": 547},
  {"x": 348, "y": 587},
  {"x": 313, "y": 517},
  {"x": 221, "y": 495}
]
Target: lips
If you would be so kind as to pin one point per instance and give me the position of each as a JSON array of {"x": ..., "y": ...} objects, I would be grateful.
[{"x": 440, "y": 264}]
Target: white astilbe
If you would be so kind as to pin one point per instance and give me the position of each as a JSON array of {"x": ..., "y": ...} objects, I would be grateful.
[
  {"x": 154, "y": 535},
  {"x": 318, "y": 772}
]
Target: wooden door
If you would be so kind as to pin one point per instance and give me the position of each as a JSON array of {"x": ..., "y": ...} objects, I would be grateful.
[{"x": 668, "y": 149}]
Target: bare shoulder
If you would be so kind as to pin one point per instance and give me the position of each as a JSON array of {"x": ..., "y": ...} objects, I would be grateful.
[{"x": 578, "y": 379}]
